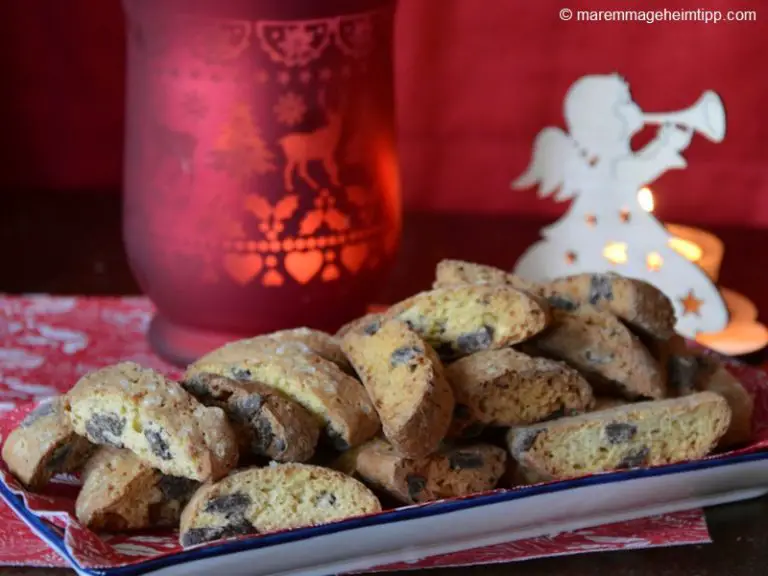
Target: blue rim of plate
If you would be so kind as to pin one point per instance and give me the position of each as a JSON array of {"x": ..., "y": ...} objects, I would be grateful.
[{"x": 46, "y": 532}]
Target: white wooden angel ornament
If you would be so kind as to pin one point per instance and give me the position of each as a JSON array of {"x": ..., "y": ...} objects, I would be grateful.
[{"x": 605, "y": 229}]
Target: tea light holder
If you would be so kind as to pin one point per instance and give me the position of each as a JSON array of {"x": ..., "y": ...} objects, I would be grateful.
[{"x": 743, "y": 334}]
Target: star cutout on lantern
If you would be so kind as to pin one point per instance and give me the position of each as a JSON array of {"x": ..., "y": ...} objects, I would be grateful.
[
  {"x": 691, "y": 304},
  {"x": 625, "y": 215},
  {"x": 570, "y": 257},
  {"x": 591, "y": 219}
]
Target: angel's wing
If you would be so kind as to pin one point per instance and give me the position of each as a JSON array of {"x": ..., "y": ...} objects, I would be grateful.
[{"x": 556, "y": 165}]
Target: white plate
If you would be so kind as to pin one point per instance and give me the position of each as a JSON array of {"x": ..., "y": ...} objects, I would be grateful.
[{"x": 416, "y": 532}]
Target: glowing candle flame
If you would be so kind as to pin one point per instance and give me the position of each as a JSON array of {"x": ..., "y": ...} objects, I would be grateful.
[
  {"x": 690, "y": 250},
  {"x": 616, "y": 252},
  {"x": 645, "y": 199},
  {"x": 686, "y": 248}
]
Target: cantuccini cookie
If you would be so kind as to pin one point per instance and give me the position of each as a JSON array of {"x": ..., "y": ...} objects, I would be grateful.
[
  {"x": 120, "y": 492},
  {"x": 691, "y": 372},
  {"x": 635, "y": 435},
  {"x": 637, "y": 303},
  {"x": 451, "y": 472},
  {"x": 456, "y": 272},
  {"x": 45, "y": 444},
  {"x": 601, "y": 347},
  {"x": 293, "y": 342},
  {"x": 337, "y": 400},
  {"x": 508, "y": 388},
  {"x": 127, "y": 406},
  {"x": 279, "y": 497},
  {"x": 405, "y": 379},
  {"x": 268, "y": 423},
  {"x": 462, "y": 320}
]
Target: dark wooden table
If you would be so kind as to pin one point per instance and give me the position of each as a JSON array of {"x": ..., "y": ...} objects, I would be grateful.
[{"x": 71, "y": 244}]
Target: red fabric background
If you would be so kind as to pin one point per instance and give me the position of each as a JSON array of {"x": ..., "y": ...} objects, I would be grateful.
[{"x": 476, "y": 80}]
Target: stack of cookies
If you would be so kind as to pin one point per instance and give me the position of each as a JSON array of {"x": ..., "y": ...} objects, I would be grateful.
[{"x": 299, "y": 427}]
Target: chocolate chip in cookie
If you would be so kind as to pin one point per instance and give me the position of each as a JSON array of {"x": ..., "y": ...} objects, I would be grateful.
[
  {"x": 229, "y": 505},
  {"x": 247, "y": 407},
  {"x": 325, "y": 499},
  {"x": 600, "y": 288},
  {"x": 263, "y": 435},
  {"x": 620, "y": 432},
  {"x": 176, "y": 487},
  {"x": 372, "y": 328},
  {"x": 194, "y": 536},
  {"x": 106, "y": 428},
  {"x": 465, "y": 461},
  {"x": 634, "y": 458},
  {"x": 562, "y": 303},
  {"x": 158, "y": 444},
  {"x": 404, "y": 355},
  {"x": 416, "y": 485},
  {"x": 475, "y": 341},
  {"x": 241, "y": 374}
]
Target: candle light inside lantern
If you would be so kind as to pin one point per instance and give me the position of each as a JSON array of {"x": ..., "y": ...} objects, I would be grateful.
[
  {"x": 698, "y": 246},
  {"x": 686, "y": 248}
]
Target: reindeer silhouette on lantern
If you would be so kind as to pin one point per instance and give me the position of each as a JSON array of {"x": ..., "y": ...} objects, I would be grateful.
[
  {"x": 605, "y": 228},
  {"x": 301, "y": 148}
]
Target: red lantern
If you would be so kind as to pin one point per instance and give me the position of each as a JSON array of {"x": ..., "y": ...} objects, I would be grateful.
[{"x": 261, "y": 181}]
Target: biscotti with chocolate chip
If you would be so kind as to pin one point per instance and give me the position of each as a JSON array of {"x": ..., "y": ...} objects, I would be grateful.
[
  {"x": 508, "y": 388},
  {"x": 692, "y": 372},
  {"x": 120, "y": 492},
  {"x": 293, "y": 342},
  {"x": 45, "y": 444},
  {"x": 279, "y": 497},
  {"x": 127, "y": 406},
  {"x": 604, "y": 350},
  {"x": 638, "y": 303},
  {"x": 462, "y": 320},
  {"x": 406, "y": 382},
  {"x": 716, "y": 378},
  {"x": 635, "y": 435},
  {"x": 449, "y": 473},
  {"x": 338, "y": 401},
  {"x": 450, "y": 272},
  {"x": 267, "y": 423}
]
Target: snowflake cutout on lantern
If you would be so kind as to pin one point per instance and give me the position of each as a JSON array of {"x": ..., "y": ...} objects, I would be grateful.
[
  {"x": 290, "y": 109},
  {"x": 605, "y": 228}
]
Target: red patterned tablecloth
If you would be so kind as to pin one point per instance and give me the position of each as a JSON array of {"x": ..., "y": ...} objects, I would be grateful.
[{"x": 47, "y": 343}]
